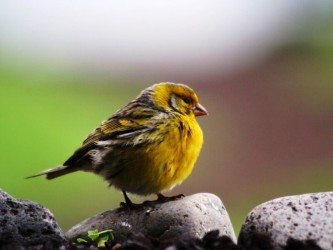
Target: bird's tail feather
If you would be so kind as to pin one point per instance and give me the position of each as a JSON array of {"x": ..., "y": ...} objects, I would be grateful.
[{"x": 55, "y": 172}]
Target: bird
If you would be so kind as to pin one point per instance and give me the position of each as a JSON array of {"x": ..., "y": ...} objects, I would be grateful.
[{"x": 147, "y": 147}]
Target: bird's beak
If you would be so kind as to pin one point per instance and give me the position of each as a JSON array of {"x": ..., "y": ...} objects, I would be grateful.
[{"x": 199, "y": 110}]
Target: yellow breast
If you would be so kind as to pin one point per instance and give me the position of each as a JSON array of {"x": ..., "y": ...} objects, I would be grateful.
[
  {"x": 182, "y": 153},
  {"x": 163, "y": 165}
]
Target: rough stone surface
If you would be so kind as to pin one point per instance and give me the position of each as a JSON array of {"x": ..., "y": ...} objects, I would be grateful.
[
  {"x": 25, "y": 223},
  {"x": 194, "y": 215},
  {"x": 307, "y": 217}
]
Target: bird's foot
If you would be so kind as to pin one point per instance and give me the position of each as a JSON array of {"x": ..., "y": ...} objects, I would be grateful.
[
  {"x": 161, "y": 198},
  {"x": 128, "y": 203}
]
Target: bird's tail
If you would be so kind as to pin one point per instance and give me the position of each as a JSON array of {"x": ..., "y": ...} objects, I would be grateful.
[{"x": 55, "y": 172}]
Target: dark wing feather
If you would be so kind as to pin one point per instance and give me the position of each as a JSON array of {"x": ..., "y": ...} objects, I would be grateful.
[{"x": 130, "y": 120}]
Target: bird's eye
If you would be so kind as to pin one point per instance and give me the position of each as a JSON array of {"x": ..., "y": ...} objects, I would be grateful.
[{"x": 186, "y": 100}]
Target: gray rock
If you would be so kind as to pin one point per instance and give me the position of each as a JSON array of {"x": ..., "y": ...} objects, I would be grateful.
[
  {"x": 301, "y": 217},
  {"x": 195, "y": 215},
  {"x": 25, "y": 223}
]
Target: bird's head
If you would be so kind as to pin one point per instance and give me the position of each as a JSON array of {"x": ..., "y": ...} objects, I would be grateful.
[{"x": 177, "y": 97}]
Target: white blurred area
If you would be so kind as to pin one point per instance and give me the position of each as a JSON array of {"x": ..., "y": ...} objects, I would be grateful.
[{"x": 150, "y": 37}]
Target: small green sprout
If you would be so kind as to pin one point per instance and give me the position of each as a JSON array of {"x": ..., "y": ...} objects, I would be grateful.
[{"x": 99, "y": 238}]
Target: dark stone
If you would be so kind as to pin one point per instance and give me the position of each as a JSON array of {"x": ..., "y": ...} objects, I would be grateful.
[
  {"x": 293, "y": 244},
  {"x": 194, "y": 215},
  {"x": 26, "y": 223}
]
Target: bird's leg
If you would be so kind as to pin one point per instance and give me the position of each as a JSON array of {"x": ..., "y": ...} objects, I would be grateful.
[
  {"x": 161, "y": 197},
  {"x": 128, "y": 203}
]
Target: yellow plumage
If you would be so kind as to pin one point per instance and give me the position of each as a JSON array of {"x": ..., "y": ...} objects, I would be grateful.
[{"x": 148, "y": 146}]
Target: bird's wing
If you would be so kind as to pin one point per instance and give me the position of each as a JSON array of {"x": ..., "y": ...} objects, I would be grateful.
[{"x": 115, "y": 128}]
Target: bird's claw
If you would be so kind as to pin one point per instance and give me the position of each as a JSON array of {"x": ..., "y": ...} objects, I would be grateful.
[{"x": 160, "y": 199}]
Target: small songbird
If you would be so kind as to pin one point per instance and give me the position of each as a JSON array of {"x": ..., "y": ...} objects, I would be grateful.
[{"x": 146, "y": 147}]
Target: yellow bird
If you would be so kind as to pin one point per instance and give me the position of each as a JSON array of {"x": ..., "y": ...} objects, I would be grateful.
[{"x": 146, "y": 147}]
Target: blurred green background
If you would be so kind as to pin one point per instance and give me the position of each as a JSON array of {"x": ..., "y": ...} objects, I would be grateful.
[{"x": 269, "y": 95}]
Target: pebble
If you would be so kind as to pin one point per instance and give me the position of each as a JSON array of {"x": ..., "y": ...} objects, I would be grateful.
[
  {"x": 194, "y": 215},
  {"x": 307, "y": 217},
  {"x": 26, "y": 223}
]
